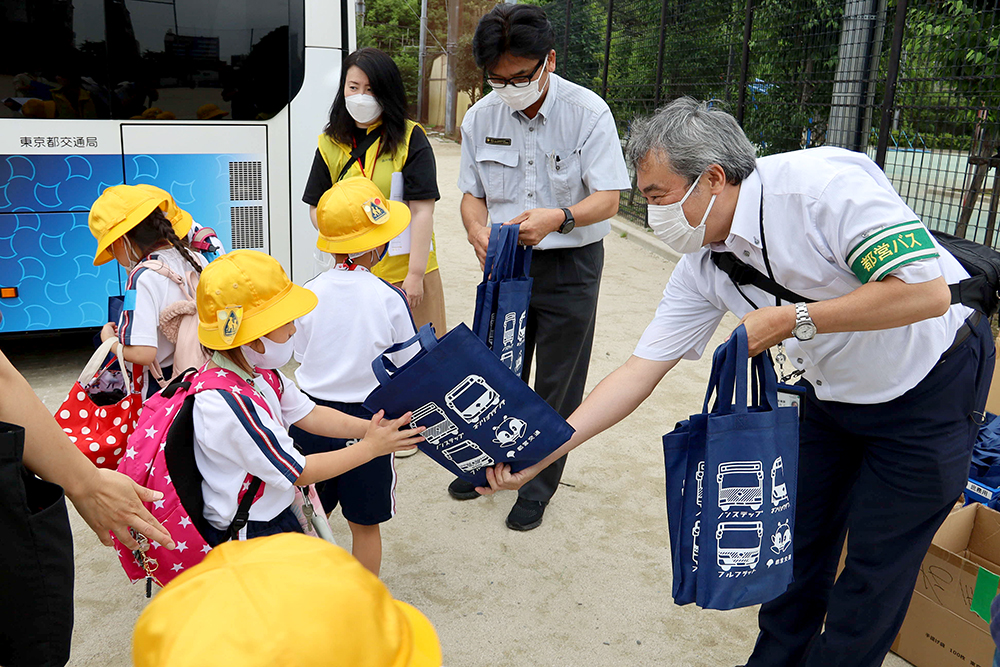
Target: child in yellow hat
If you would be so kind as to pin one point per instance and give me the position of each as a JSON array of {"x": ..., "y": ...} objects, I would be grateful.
[
  {"x": 131, "y": 226},
  {"x": 366, "y": 316},
  {"x": 246, "y": 312},
  {"x": 282, "y": 600},
  {"x": 186, "y": 228}
]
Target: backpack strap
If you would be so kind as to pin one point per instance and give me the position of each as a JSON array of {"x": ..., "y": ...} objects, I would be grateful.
[
  {"x": 272, "y": 378},
  {"x": 243, "y": 510},
  {"x": 202, "y": 239},
  {"x": 742, "y": 273}
]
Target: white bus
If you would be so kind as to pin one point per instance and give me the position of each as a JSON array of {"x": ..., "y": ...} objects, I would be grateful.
[{"x": 101, "y": 92}]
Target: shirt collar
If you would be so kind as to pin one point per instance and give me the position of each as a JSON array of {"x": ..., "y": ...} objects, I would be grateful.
[
  {"x": 222, "y": 361},
  {"x": 746, "y": 217},
  {"x": 550, "y": 98}
]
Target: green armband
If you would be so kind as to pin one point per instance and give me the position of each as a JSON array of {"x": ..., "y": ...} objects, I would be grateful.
[{"x": 890, "y": 248}]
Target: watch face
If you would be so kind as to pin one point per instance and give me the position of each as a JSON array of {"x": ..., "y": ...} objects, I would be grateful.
[
  {"x": 567, "y": 226},
  {"x": 805, "y": 331}
]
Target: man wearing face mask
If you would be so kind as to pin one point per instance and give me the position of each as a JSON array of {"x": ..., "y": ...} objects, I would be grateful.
[
  {"x": 895, "y": 374},
  {"x": 541, "y": 152}
]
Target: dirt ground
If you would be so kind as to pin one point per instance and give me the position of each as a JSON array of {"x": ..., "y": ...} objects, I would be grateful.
[{"x": 590, "y": 586}]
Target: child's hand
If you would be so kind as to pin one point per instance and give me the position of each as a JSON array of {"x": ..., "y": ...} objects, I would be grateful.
[{"x": 385, "y": 437}]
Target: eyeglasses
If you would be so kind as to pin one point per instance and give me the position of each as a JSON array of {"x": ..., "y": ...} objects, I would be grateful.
[{"x": 517, "y": 81}]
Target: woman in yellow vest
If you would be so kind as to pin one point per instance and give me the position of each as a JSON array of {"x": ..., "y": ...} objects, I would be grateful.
[{"x": 369, "y": 135}]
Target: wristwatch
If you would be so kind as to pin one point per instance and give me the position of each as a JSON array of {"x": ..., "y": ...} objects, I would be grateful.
[
  {"x": 569, "y": 223},
  {"x": 804, "y": 328}
]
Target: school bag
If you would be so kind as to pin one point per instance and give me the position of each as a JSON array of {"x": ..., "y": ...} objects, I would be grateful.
[
  {"x": 204, "y": 240},
  {"x": 160, "y": 456},
  {"x": 179, "y": 321}
]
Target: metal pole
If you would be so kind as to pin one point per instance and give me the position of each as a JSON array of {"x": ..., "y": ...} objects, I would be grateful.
[
  {"x": 741, "y": 100},
  {"x": 889, "y": 98},
  {"x": 451, "y": 101},
  {"x": 659, "y": 55},
  {"x": 422, "y": 61},
  {"x": 607, "y": 50}
]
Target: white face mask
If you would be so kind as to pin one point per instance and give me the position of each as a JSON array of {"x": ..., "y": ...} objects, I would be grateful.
[
  {"x": 671, "y": 226},
  {"x": 131, "y": 252},
  {"x": 520, "y": 99},
  {"x": 275, "y": 355},
  {"x": 363, "y": 108}
]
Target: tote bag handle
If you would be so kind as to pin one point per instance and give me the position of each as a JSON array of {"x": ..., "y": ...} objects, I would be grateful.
[
  {"x": 731, "y": 376},
  {"x": 97, "y": 360},
  {"x": 384, "y": 369}
]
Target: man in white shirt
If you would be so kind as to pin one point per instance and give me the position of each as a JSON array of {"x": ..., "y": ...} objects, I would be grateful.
[
  {"x": 544, "y": 153},
  {"x": 895, "y": 374}
]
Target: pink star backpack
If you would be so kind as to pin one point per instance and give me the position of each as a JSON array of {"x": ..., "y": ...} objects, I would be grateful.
[{"x": 160, "y": 456}]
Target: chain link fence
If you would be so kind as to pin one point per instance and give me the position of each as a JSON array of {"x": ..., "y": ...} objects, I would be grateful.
[{"x": 913, "y": 83}]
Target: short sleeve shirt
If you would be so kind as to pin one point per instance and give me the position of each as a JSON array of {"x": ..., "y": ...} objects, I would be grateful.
[
  {"x": 567, "y": 152},
  {"x": 234, "y": 436},
  {"x": 818, "y": 206},
  {"x": 147, "y": 294},
  {"x": 419, "y": 171},
  {"x": 335, "y": 352}
]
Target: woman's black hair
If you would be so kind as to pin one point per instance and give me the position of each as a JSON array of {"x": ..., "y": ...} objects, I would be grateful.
[
  {"x": 154, "y": 230},
  {"x": 387, "y": 87},
  {"x": 523, "y": 31}
]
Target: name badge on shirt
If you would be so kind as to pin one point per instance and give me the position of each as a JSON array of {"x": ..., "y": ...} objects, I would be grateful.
[
  {"x": 498, "y": 141},
  {"x": 790, "y": 395}
]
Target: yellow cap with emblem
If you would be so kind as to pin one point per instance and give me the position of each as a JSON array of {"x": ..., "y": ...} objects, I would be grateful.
[
  {"x": 354, "y": 216},
  {"x": 244, "y": 295}
]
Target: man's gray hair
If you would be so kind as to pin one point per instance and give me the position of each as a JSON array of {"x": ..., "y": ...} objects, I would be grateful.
[{"x": 691, "y": 136}]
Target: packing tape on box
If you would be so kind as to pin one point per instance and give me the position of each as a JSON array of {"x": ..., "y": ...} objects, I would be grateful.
[{"x": 987, "y": 584}]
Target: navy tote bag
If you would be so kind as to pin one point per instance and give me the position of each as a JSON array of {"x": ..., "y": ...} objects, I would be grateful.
[
  {"x": 733, "y": 520},
  {"x": 502, "y": 298},
  {"x": 476, "y": 412}
]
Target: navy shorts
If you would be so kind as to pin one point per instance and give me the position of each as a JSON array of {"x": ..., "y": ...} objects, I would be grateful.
[{"x": 366, "y": 494}]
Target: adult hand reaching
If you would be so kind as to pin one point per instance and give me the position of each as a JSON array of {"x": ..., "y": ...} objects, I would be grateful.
[
  {"x": 502, "y": 479},
  {"x": 111, "y": 502}
]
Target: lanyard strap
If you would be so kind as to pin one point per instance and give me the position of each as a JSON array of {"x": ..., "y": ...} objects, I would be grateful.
[{"x": 357, "y": 154}]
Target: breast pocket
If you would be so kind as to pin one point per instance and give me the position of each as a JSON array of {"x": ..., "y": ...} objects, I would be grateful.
[
  {"x": 497, "y": 166},
  {"x": 566, "y": 177}
]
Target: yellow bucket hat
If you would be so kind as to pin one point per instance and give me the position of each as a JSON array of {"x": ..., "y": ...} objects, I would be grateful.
[
  {"x": 244, "y": 295},
  {"x": 353, "y": 216},
  {"x": 116, "y": 211},
  {"x": 179, "y": 219},
  {"x": 287, "y": 599}
]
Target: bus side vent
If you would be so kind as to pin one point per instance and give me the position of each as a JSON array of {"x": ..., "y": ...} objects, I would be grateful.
[
  {"x": 248, "y": 227},
  {"x": 245, "y": 183}
]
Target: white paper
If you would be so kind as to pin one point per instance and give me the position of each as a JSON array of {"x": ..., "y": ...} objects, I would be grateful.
[{"x": 401, "y": 244}]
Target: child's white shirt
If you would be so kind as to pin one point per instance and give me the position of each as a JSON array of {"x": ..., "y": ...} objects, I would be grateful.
[
  {"x": 147, "y": 294},
  {"x": 233, "y": 436},
  {"x": 358, "y": 317}
]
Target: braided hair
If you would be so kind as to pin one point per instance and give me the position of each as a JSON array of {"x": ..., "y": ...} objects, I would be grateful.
[{"x": 156, "y": 230}]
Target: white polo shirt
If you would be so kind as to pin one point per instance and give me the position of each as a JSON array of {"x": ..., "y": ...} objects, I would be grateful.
[
  {"x": 567, "y": 152},
  {"x": 147, "y": 293},
  {"x": 358, "y": 317},
  {"x": 233, "y": 437},
  {"x": 819, "y": 205}
]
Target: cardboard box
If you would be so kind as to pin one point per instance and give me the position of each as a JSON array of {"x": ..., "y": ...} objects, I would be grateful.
[{"x": 940, "y": 630}]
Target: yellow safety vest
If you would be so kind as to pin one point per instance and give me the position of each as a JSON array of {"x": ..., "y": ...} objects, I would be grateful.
[{"x": 336, "y": 155}]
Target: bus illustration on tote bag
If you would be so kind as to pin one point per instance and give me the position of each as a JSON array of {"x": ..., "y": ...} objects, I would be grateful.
[{"x": 475, "y": 411}]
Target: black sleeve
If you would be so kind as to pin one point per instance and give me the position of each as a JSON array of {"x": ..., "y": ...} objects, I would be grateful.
[
  {"x": 420, "y": 170},
  {"x": 319, "y": 181}
]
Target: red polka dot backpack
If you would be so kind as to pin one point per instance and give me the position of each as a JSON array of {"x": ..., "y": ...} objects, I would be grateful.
[{"x": 102, "y": 408}]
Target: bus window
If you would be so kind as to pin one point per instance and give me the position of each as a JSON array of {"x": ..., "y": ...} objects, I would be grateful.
[
  {"x": 142, "y": 60},
  {"x": 53, "y": 52}
]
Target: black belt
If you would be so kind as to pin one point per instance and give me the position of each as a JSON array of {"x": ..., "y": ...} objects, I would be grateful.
[{"x": 963, "y": 332}]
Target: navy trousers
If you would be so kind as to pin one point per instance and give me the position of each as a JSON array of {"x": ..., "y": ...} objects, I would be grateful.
[
  {"x": 559, "y": 337},
  {"x": 885, "y": 475}
]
